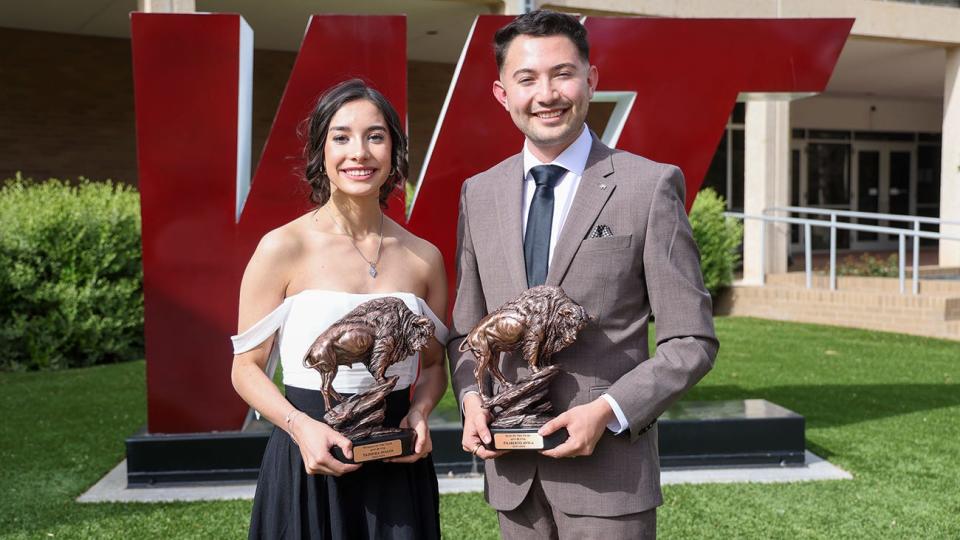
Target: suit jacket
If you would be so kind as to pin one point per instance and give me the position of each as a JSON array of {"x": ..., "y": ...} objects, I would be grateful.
[{"x": 650, "y": 265}]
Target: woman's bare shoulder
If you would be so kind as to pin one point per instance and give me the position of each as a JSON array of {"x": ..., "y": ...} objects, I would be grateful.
[
  {"x": 283, "y": 244},
  {"x": 274, "y": 262},
  {"x": 420, "y": 248},
  {"x": 427, "y": 261}
]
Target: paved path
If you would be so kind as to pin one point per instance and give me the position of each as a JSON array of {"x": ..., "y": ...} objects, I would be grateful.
[{"x": 113, "y": 486}]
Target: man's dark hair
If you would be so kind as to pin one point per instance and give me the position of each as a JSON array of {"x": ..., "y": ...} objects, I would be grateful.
[{"x": 541, "y": 23}]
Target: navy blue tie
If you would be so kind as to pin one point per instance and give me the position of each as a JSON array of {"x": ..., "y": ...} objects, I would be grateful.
[{"x": 536, "y": 241}]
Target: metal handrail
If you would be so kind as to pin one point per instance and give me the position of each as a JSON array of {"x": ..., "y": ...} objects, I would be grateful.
[
  {"x": 833, "y": 225},
  {"x": 855, "y": 214}
]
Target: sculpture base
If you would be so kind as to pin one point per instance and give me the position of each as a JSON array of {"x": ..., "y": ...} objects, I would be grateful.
[
  {"x": 525, "y": 438},
  {"x": 379, "y": 447}
]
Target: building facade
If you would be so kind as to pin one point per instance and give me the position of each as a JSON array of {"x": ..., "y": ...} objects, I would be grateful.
[{"x": 884, "y": 137}]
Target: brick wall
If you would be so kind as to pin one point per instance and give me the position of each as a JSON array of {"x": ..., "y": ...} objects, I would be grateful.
[
  {"x": 858, "y": 302},
  {"x": 66, "y": 104}
]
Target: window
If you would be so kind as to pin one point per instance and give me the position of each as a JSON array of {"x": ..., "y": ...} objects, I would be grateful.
[{"x": 725, "y": 174}]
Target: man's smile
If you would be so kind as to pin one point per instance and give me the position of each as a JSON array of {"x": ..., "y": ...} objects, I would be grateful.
[{"x": 550, "y": 115}]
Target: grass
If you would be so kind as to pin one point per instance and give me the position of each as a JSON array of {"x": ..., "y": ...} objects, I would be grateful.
[{"x": 885, "y": 407}]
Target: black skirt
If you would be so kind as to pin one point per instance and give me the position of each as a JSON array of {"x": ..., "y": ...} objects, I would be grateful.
[{"x": 380, "y": 500}]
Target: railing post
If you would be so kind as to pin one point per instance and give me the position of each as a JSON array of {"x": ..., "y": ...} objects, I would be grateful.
[
  {"x": 916, "y": 257},
  {"x": 807, "y": 255},
  {"x": 763, "y": 251},
  {"x": 902, "y": 263},
  {"x": 833, "y": 252}
]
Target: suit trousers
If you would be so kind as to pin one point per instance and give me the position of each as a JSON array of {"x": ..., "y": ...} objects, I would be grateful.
[{"x": 536, "y": 519}]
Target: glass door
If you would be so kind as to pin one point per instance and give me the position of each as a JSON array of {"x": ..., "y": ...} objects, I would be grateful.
[
  {"x": 884, "y": 182},
  {"x": 866, "y": 173},
  {"x": 825, "y": 183},
  {"x": 798, "y": 184}
]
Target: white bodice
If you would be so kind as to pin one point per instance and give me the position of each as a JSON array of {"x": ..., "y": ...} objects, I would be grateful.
[{"x": 304, "y": 316}]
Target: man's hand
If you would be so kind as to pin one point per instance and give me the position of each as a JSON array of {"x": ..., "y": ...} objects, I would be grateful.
[
  {"x": 475, "y": 430},
  {"x": 585, "y": 424},
  {"x": 315, "y": 440}
]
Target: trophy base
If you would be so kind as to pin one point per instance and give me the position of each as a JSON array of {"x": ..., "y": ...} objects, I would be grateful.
[
  {"x": 379, "y": 447},
  {"x": 525, "y": 438}
]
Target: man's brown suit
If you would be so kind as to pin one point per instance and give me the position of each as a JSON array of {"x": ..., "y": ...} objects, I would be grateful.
[{"x": 649, "y": 265}]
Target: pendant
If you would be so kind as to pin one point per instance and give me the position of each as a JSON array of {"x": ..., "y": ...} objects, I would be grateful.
[{"x": 373, "y": 271}]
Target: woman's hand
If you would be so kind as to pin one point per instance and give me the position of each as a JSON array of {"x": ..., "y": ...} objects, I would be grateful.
[
  {"x": 315, "y": 440},
  {"x": 422, "y": 444}
]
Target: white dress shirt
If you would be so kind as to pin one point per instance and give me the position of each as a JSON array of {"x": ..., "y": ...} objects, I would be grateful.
[{"x": 574, "y": 160}]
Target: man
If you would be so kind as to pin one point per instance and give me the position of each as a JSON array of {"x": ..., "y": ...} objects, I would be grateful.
[{"x": 609, "y": 228}]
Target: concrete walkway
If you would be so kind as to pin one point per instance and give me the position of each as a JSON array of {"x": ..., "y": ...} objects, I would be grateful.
[{"x": 113, "y": 486}]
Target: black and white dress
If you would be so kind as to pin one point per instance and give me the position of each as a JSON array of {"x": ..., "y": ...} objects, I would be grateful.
[{"x": 380, "y": 500}]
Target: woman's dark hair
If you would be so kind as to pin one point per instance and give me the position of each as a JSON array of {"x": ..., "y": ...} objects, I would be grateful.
[
  {"x": 541, "y": 23},
  {"x": 318, "y": 123}
]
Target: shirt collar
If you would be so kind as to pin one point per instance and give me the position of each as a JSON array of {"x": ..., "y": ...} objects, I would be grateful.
[{"x": 573, "y": 158}]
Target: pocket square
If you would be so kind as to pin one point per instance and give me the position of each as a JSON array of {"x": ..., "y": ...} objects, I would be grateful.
[{"x": 600, "y": 231}]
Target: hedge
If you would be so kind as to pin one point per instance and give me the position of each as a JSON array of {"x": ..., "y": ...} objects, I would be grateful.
[
  {"x": 718, "y": 238},
  {"x": 71, "y": 280}
]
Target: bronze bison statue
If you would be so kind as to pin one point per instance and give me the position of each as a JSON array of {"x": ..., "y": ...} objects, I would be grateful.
[
  {"x": 377, "y": 333},
  {"x": 540, "y": 322}
]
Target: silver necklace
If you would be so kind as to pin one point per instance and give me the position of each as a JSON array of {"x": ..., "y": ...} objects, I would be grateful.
[{"x": 373, "y": 265}]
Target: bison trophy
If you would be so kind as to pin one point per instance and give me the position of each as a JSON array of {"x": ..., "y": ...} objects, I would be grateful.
[{"x": 539, "y": 323}]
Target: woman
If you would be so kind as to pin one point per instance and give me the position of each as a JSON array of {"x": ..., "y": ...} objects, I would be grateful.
[{"x": 304, "y": 276}]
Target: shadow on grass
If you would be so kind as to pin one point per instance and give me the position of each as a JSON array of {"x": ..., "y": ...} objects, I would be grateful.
[
  {"x": 842, "y": 404},
  {"x": 819, "y": 450}
]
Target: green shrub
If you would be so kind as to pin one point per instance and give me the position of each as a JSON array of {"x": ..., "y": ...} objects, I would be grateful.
[
  {"x": 718, "y": 238},
  {"x": 71, "y": 280}
]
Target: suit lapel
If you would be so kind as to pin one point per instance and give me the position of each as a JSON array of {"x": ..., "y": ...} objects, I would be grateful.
[
  {"x": 509, "y": 197},
  {"x": 595, "y": 188}
]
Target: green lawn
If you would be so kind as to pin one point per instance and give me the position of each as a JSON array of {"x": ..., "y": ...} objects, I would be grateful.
[{"x": 885, "y": 407}]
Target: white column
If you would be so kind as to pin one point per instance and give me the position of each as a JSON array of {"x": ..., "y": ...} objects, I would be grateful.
[
  {"x": 950, "y": 160},
  {"x": 766, "y": 184},
  {"x": 167, "y": 6},
  {"x": 515, "y": 7}
]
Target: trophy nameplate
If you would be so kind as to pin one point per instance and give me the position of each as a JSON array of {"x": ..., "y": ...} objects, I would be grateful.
[
  {"x": 379, "y": 447},
  {"x": 525, "y": 439}
]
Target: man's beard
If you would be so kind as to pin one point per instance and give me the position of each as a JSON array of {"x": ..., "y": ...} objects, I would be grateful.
[{"x": 568, "y": 133}]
